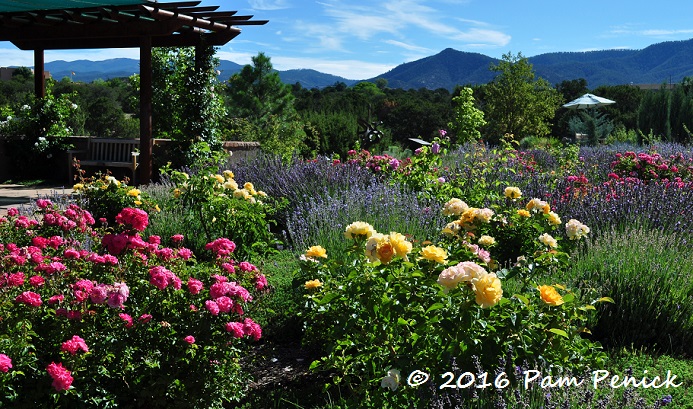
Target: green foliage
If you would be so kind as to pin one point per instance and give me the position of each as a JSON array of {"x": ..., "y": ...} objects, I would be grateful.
[
  {"x": 187, "y": 105},
  {"x": 639, "y": 361},
  {"x": 667, "y": 114},
  {"x": 517, "y": 103},
  {"x": 467, "y": 118},
  {"x": 596, "y": 125},
  {"x": 257, "y": 95},
  {"x": 38, "y": 129}
]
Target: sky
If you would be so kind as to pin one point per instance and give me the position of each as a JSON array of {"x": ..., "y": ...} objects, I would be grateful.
[{"x": 361, "y": 39}]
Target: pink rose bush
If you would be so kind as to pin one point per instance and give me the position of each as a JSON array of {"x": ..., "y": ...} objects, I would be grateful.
[{"x": 125, "y": 299}]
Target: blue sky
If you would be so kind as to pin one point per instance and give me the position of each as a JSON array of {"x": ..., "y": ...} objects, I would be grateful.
[{"x": 360, "y": 39}]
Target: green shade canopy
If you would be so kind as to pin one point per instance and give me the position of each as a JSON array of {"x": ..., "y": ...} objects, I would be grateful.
[{"x": 31, "y": 5}]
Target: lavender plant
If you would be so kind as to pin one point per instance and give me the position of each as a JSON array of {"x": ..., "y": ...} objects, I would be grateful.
[
  {"x": 323, "y": 217},
  {"x": 648, "y": 274}
]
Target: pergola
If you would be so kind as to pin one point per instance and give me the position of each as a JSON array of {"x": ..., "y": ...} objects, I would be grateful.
[{"x": 41, "y": 25}]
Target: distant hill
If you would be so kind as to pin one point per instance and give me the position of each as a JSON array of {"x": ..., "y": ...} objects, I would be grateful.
[
  {"x": 88, "y": 71},
  {"x": 656, "y": 64}
]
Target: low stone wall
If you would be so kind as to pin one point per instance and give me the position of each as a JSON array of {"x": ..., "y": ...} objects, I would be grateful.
[{"x": 241, "y": 151}]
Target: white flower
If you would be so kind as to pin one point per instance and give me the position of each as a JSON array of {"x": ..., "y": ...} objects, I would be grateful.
[
  {"x": 392, "y": 380},
  {"x": 575, "y": 230}
]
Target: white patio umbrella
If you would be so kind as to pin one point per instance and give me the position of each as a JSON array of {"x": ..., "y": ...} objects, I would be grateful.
[{"x": 588, "y": 101}]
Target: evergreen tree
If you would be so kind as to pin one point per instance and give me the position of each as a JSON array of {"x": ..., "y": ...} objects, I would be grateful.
[{"x": 257, "y": 96}]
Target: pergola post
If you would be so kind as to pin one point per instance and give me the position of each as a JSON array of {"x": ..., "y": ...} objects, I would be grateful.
[
  {"x": 39, "y": 77},
  {"x": 145, "y": 110}
]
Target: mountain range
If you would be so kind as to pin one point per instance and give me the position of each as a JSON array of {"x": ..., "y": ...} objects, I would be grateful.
[{"x": 666, "y": 62}]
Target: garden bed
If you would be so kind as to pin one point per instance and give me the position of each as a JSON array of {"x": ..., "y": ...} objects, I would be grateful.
[{"x": 469, "y": 260}]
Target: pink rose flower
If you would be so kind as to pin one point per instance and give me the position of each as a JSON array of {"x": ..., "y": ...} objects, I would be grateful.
[
  {"x": 127, "y": 318},
  {"x": 5, "y": 363},
  {"x": 29, "y": 298},
  {"x": 62, "y": 377},
  {"x": 73, "y": 345}
]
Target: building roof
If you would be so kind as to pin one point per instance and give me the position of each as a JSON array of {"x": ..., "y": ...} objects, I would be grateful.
[{"x": 84, "y": 24}]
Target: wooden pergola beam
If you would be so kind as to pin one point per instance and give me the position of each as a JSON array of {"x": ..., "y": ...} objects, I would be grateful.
[{"x": 152, "y": 24}]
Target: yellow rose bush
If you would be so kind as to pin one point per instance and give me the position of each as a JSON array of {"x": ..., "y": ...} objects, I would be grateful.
[
  {"x": 217, "y": 205},
  {"x": 394, "y": 306},
  {"x": 104, "y": 196}
]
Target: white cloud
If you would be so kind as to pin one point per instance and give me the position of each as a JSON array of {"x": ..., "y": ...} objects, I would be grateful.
[
  {"x": 349, "y": 69},
  {"x": 484, "y": 37},
  {"x": 407, "y": 46},
  {"x": 268, "y": 5},
  {"x": 660, "y": 33}
]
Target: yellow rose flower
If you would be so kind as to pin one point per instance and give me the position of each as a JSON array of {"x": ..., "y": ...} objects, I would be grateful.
[
  {"x": 316, "y": 251},
  {"x": 231, "y": 185},
  {"x": 400, "y": 244},
  {"x": 133, "y": 192},
  {"x": 486, "y": 241},
  {"x": 454, "y": 207},
  {"x": 261, "y": 193},
  {"x": 248, "y": 186},
  {"x": 548, "y": 241},
  {"x": 78, "y": 186},
  {"x": 483, "y": 215},
  {"x": 138, "y": 202},
  {"x": 241, "y": 194},
  {"x": 176, "y": 193},
  {"x": 512, "y": 192},
  {"x": 537, "y": 204},
  {"x": 357, "y": 229},
  {"x": 385, "y": 252},
  {"x": 523, "y": 213},
  {"x": 219, "y": 178},
  {"x": 228, "y": 174},
  {"x": 374, "y": 241},
  {"x": 549, "y": 295},
  {"x": 467, "y": 218},
  {"x": 546, "y": 209},
  {"x": 487, "y": 288},
  {"x": 313, "y": 284},
  {"x": 554, "y": 219},
  {"x": 452, "y": 229},
  {"x": 433, "y": 253}
]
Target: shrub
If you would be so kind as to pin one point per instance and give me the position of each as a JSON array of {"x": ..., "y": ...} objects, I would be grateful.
[
  {"x": 104, "y": 196},
  {"x": 381, "y": 314},
  {"x": 224, "y": 208},
  {"x": 133, "y": 324}
]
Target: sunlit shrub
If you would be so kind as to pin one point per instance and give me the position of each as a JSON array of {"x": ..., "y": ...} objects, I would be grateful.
[{"x": 128, "y": 323}]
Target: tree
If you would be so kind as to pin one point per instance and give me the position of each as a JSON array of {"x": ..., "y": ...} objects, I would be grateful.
[
  {"x": 467, "y": 118},
  {"x": 185, "y": 105},
  {"x": 516, "y": 102},
  {"x": 257, "y": 95}
]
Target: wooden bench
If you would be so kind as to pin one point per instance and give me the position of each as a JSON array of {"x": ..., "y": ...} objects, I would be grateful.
[{"x": 107, "y": 153}]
